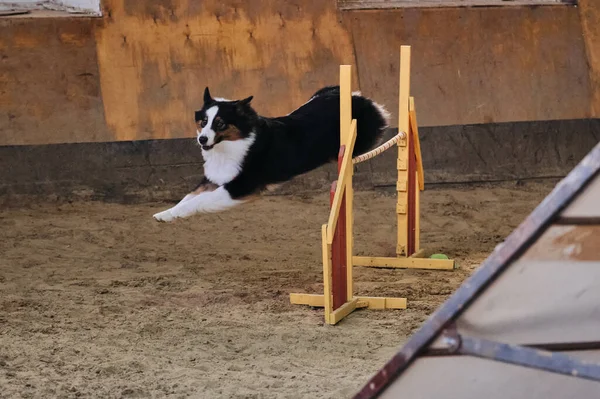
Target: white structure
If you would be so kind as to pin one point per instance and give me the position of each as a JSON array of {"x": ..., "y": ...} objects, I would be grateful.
[{"x": 88, "y": 7}]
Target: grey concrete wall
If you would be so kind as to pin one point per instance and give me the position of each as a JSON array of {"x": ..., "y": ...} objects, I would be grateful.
[{"x": 133, "y": 171}]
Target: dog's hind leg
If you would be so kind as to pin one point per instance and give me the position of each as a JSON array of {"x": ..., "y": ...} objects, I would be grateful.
[{"x": 217, "y": 200}]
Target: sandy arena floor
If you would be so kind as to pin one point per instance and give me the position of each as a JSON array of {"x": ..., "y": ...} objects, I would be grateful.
[{"x": 97, "y": 300}]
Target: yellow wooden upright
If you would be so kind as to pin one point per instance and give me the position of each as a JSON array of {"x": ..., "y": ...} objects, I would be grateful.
[
  {"x": 402, "y": 162},
  {"x": 348, "y": 130},
  {"x": 345, "y": 102},
  {"x": 327, "y": 274},
  {"x": 419, "y": 177},
  {"x": 345, "y": 121}
]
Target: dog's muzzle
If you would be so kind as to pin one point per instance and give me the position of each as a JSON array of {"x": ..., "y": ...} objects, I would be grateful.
[{"x": 202, "y": 140}]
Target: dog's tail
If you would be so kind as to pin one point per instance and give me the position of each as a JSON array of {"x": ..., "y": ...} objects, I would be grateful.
[{"x": 372, "y": 120}]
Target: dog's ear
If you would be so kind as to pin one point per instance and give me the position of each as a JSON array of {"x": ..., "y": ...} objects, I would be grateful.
[
  {"x": 245, "y": 101},
  {"x": 207, "y": 97}
]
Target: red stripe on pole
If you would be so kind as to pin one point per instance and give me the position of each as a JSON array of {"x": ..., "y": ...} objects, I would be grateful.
[
  {"x": 412, "y": 198},
  {"x": 338, "y": 249}
]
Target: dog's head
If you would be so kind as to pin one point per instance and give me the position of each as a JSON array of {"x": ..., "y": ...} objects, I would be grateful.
[{"x": 222, "y": 120}]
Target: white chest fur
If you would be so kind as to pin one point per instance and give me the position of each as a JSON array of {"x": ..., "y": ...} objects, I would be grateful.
[{"x": 224, "y": 161}]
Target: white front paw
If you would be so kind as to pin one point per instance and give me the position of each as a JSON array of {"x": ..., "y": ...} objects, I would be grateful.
[{"x": 164, "y": 216}]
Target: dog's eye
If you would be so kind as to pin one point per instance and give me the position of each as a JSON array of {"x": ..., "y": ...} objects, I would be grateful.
[
  {"x": 204, "y": 122},
  {"x": 221, "y": 125}
]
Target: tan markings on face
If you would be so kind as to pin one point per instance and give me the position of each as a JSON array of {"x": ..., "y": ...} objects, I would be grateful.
[
  {"x": 232, "y": 133},
  {"x": 205, "y": 187}
]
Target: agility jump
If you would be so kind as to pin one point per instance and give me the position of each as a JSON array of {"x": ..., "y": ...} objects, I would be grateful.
[{"x": 338, "y": 298}]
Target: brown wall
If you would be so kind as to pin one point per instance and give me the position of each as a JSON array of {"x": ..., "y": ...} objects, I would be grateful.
[
  {"x": 478, "y": 65},
  {"x": 156, "y": 58},
  {"x": 139, "y": 71},
  {"x": 590, "y": 21},
  {"x": 49, "y": 82}
]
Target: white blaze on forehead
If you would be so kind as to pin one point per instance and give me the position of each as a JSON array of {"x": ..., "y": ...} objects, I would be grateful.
[
  {"x": 207, "y": 130},
  {"x": 210, "y": 114}
]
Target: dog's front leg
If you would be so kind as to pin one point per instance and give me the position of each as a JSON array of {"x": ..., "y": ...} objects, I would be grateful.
[
  {"x": 205, "y": 185},
  {"x": 187, "y": 197},
  {"x": 205, "y": 202}
]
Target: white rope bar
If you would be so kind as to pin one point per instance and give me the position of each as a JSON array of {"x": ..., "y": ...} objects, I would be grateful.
[{"x": 373, "y": 153}]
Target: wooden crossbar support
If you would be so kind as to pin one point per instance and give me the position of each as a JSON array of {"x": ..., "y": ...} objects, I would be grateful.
[
  {"x": 368, "y": 302},
  {"x": 338, "y": 299},
  {"x": 403, "y": 263},
  {"x": 343, "y": 311}
]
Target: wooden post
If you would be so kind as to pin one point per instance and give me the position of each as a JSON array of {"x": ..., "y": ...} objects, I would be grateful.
[
  {"x": 345, "y": 121},
  {"x": 345, "y": 102},
  {"x": 420, "y": 178},
  {"x": 403, "y": 156},
  {"x": 338, "y": 250},
  {"x": 417, "y": 143},
  {"x": 326, "y": 248},
  {"x": 412, "y": 188},
  {"x": 417, "y": 215},
  {"x": 349, "y": 235}
]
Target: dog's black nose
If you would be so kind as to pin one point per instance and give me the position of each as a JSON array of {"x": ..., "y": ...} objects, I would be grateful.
[{"x": 202, "y": 139}]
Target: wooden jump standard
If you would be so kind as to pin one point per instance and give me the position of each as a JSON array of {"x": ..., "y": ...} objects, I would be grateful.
[{"x": 338, "y": 299}]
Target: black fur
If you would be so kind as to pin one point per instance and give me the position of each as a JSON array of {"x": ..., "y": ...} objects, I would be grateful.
[{"x": 291, "y": 145}]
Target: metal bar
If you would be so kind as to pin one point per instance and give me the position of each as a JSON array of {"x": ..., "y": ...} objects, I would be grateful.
[
  {"x": 582, "y": 221},
  {"x": 553, "y": 347},
  {"x": 446, "y": 345},
  {"x": 567, "y": 346},
  {"x": 554, "y": 362},
  {"x": 516, "y": 243}
]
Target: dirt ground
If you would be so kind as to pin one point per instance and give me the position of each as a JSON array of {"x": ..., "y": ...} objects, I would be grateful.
[{"x": 98, "y": 300}]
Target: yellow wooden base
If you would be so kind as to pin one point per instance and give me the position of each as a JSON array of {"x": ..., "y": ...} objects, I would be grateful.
[
  {"x": 357, "y": 302},
  {"x": 342, "y": 311},
  {"x": 403, "y": 263},
  {"x": 421, "y": 253}
]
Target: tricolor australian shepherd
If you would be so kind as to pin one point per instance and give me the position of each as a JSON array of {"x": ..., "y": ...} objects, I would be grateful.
[{"x": 245, "y": 153}]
